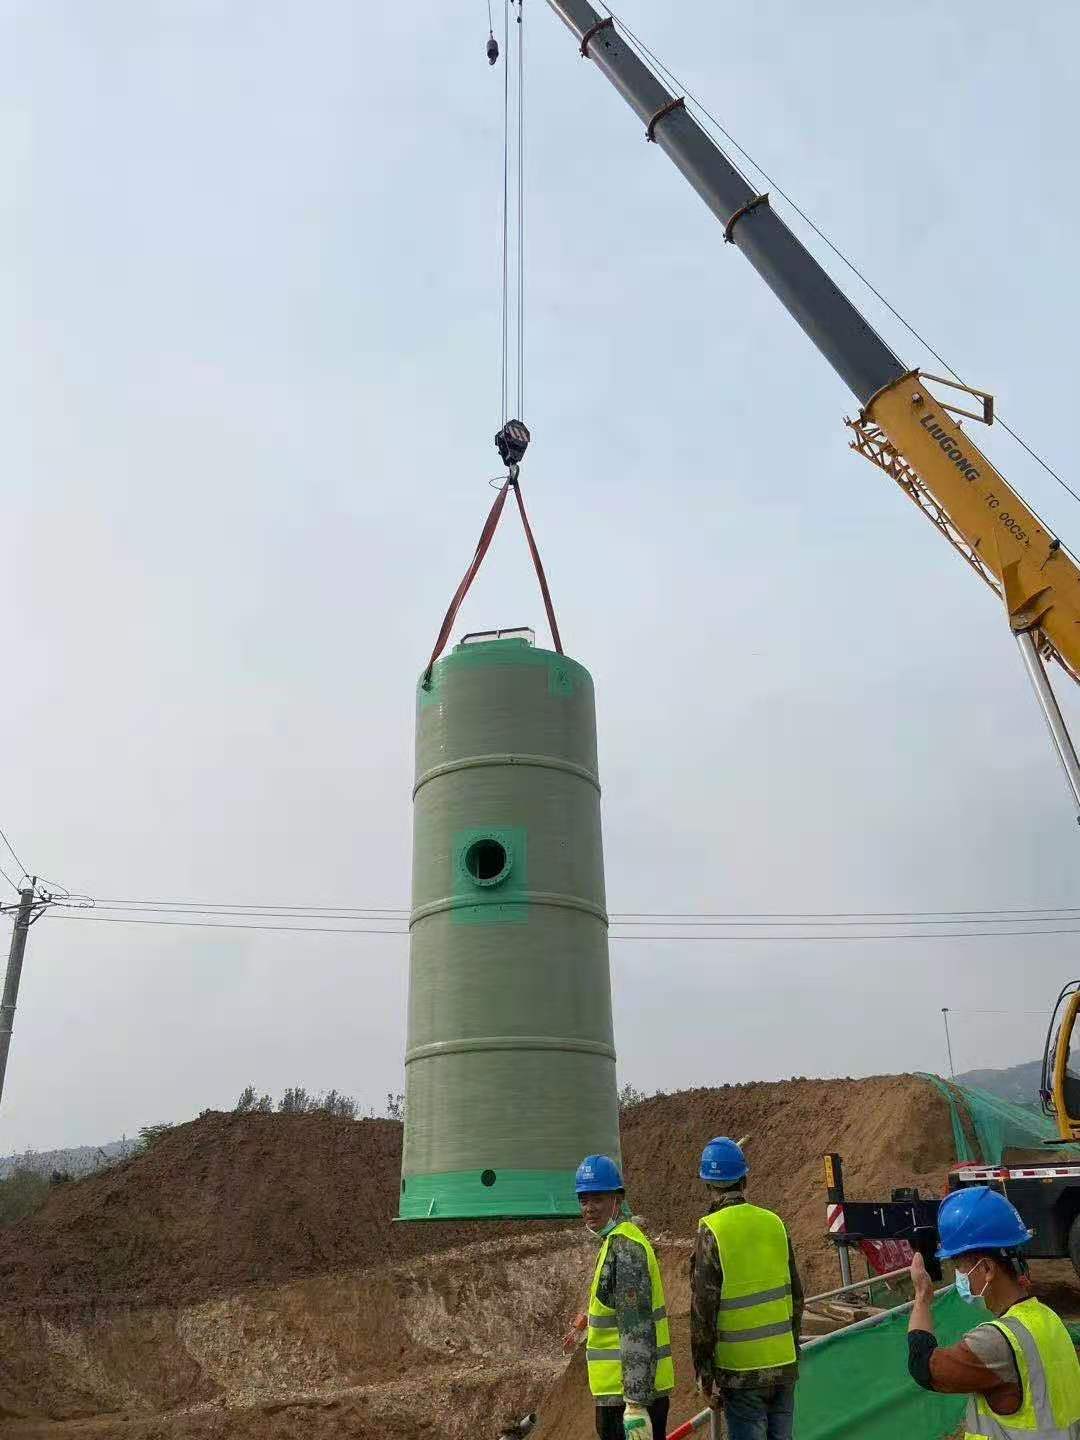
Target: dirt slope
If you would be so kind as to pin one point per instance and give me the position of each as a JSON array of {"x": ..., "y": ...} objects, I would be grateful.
[
  {"x": 220, "y": 1203},
  {"x": 245, "y": 1277},
  {"x": 233, "y": 1200},
  {"x": 891, "y": 1130}
]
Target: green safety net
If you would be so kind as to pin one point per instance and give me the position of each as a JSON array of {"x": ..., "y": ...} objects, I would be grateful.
[
  {"x": 856, "y": 1383},
  {"x": 985, "y": 1126}
]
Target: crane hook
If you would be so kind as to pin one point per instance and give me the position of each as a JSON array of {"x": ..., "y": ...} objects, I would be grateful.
[{"x": 492, "y": 48}]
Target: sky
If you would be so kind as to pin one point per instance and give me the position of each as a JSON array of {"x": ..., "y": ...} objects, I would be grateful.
[{"x": 249, "y": 258}]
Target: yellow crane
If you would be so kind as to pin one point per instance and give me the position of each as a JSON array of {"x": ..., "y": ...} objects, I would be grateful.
[
  {"x": 1060, "y": 1084},
  {"x": 904, "y": 426}
]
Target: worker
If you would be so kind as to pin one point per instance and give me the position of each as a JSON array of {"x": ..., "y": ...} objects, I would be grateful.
[
  {"x": 746, "y": 1304},
  {"x": 628, "y": 1343},
  {"x": 1020, "y": 1369}
]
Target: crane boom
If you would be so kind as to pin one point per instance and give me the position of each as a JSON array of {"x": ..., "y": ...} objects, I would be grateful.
[{"x": 903, "y": 427}]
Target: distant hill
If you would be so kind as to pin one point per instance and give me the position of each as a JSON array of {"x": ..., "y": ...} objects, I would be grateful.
[
  {"x": 1016, "y": 1082},
  {"x": 74, "y": 1160}
]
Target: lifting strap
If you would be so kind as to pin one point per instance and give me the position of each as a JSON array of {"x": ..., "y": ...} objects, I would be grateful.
[{"x": 482, "y": 545}]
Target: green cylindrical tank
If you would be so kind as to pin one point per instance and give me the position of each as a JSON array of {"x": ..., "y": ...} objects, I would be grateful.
[{"x": 510, "y": 1060}]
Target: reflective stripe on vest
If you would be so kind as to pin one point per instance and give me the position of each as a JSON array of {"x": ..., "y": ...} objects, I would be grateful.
[
  {"x": 603, "y": 1351},
  {"x": 754, "y": 1317},
  {"x": 1049, "y": 1377}
]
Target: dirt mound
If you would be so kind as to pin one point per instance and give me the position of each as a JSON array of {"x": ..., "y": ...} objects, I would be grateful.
[
  {"x": 891, "y": 1130},
  {"x": 245, "y": 1276},
  {"x": 233, "y": 1200},
  {"x": 223, "y": 1202}
]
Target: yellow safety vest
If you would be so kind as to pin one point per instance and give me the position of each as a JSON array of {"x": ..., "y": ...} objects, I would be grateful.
[
  {"x": 1049, "y": 1375},
  {"x": 603, "y": 1350},
  {"x": 754, "y": 1322}
]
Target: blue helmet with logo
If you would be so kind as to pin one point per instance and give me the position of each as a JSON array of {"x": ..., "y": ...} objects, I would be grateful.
[
  {"x": 598, "y": 1175},
  {"x": 978, "y": 1218},
  {"x": 723, "y": 1162}
]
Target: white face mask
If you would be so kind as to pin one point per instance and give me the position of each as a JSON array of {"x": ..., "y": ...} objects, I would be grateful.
[
  {"x": 608, "y": 1225},
  {"x": 964, "y": 1290}
]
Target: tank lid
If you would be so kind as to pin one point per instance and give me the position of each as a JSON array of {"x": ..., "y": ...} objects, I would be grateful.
[{"x": 485, "y": 637}]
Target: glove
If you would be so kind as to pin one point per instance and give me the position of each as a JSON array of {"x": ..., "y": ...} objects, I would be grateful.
[{"x": 636, "y": 1422}]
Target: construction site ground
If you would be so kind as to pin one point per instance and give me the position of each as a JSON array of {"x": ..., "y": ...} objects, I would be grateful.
[{"x": 245, "y": 1277}]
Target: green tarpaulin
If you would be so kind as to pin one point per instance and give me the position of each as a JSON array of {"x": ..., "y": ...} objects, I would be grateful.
[{"x": 856, "y": 1386}]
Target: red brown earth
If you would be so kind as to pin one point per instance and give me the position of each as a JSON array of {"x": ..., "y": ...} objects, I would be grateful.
[{"x": 245, "y": 1277}]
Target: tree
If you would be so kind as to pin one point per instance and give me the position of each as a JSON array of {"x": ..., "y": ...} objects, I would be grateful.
[
  {"x": 149, "y": 1135},
  {"x": 334, "y": 1103},
  {"x": 395, "y": 1106},
  {"x": 295, "y": 1101},
  {"x": 251, "y": 1103},
  {"x": 629, "y": 1095}
]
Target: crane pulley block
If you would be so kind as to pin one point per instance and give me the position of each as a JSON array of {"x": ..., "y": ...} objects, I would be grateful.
[{"x": 512, "y": 441}]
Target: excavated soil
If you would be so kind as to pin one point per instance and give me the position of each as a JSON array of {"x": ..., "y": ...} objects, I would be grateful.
[
  {"x": 245, "y": 1278},
  {"x": 217, "y": 1204},
  {"x": 891, "y": 1130}
]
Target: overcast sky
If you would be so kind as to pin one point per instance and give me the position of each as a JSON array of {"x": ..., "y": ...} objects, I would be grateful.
[{"x": 249, "y": 391}]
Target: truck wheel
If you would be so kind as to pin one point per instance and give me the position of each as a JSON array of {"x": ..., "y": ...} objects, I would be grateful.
[{"x": 1074, "y": 1245}]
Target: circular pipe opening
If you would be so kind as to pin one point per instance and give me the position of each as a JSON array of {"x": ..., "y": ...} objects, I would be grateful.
[
  {"x": 487, "y": 861},
  {"x": 487, "y": 1178}
]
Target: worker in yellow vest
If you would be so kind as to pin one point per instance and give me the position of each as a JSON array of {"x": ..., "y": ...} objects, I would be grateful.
[
  {"x": 628, "y": 1343},
  {"x": 746, "y": 1304},
  {"x": 1019, "y": 1369}
]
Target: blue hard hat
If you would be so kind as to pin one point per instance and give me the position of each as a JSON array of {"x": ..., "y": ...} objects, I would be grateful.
[
  {"x": 598, "y": 1175},
  {"x": 978, "y": 1218},
  {"x": 722, "y": 1162}
]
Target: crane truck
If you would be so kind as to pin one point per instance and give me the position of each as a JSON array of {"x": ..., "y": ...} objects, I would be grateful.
[
  {"x": 1046, "y": 1188},
  {"x": 916, "y": 436},
  {"x": 904, "y": 425}
]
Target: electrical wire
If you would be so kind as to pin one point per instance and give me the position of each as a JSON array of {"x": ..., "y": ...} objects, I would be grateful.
[
  {"x": 1031, "y": 914},
  {"x": 1050, "y": 912},
  {"x": 23, "y": 872},
  {"x": 614, "y": 937},
  {"x": 618, "y": 921},
  {"x": 976, "y": 1010},
  {"x": 841, "y": 939},
  {"x": 333, "y": 911},
  {"x": 224, "y": 925},
  {"x": 10, "y": 881},
  {"x": 663, "y": 71}
]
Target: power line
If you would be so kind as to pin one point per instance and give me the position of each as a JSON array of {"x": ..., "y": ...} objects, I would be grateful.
[
  {"x": 24, "y": 873},
  {"x": 673, "y": 80},
  {"x": 714, "y": 938},
  {"x": 841, "y": 939},
  {"x": 974, "y": 916},
  {"x": 978, "y": 1010},
  {"x": 9, "y": 880},
  {"x": 776, "y": 923},
  {"x": 225, "y": 925},
  {"x": 242, "y": 907},
  {"x": 291, "y": 913}
]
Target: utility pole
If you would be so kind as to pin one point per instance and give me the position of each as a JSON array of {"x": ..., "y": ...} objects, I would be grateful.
[
  {"x": 948, "y": 1043},
  {"x": 14, "y": 975}
]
